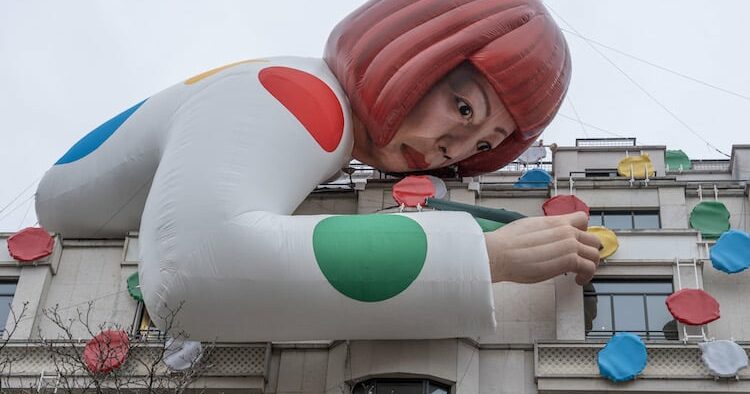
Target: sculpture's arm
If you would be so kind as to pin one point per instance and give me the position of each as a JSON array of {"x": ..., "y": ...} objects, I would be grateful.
[{"x": 217, "y": 235}]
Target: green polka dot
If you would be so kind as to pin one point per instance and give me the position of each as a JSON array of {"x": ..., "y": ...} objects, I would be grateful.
[
  {"x": 370, "y": 257},
  {"x": 134, "y": 287},
  {"x": 488, "y": 225}
]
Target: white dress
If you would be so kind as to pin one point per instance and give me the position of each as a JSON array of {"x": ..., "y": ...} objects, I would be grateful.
[{"x": 211, "y": 169}]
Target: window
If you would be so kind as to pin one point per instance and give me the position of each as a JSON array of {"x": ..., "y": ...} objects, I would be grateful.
[
  {"x": 595, "y": 173},
  {"x": 626, "y": 219},
  {"x": 400, "y": 386},
  {"x": 600, "y": 173},
  {"x": 143, "y": 327},
  {"x": 636, "y": 306},
  {"x": 7, "y": 290}
]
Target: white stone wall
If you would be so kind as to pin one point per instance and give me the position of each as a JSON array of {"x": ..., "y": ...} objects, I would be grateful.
[
  {"x": 90, "y": 273},
  {"x": 569, "y": 159},
  {"x": 741, "y": 162}
]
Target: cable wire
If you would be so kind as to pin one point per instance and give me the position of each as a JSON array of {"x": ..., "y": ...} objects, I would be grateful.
[
  {"x": 578, "y": 117},
  {"x": 16, "y": 207},
  {"x": 20, "y": 194},
  {"x": 92, "y": 300},
  {"x": 610, "y": 132},
  {"x": 652, "y": 64},
  {"x": 642, "y": 89},
  {"x": 25, "y": 214}
]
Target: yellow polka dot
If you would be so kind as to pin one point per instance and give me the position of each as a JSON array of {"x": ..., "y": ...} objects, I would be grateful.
[
  {"x": 608, "y": 240},
  {"x": 636, "y": 167},
  {"x": 216, "y": 70}
]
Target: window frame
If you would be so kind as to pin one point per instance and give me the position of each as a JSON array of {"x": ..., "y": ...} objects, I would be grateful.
[
  {"x": 632, "y": 212},
  {"x": 427, "y": 384},
  {"x": 648, "y": 333},
  {"x": 600, "y": 173},
  {"x": 5, "y": 281},
  {"x": 143, "y": 327}
]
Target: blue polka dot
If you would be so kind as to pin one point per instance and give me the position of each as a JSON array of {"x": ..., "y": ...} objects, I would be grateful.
[
  {"x": 95, "y": 138},
  {"x": 535, "y": 178},
  {"x": 730, "y": 254},
  {"x": 623, "y": 358}
]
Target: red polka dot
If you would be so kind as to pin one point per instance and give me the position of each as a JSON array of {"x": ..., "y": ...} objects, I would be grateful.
[
  {"x": 564, "y": 204},
  {"x": 106, "y": 351},
  {"x": 310, "y": 100},
  {"x": 413, "y": 190},
  {"x": 30, "y": 244},
  {"x": 693, "y": 306}
]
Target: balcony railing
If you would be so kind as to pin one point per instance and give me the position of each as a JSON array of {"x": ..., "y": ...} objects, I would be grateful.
[
  {"x": 520, "y": 167},
  {"x": 579, "y": 359},
  {"x": 359, "y": 172},
  {"x": 582, "y": 142},
  {"x": 229, "y": 360},
  {"x": 704, "y": 165}
]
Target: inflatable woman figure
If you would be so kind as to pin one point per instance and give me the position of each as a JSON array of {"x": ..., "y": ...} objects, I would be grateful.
[{"x": 211, "y": 169}]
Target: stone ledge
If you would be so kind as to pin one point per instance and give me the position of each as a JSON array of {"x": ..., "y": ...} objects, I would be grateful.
[{"x": 562, "y": 367}]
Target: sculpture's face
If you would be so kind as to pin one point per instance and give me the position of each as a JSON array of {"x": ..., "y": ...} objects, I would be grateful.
[{"x": 459, "y": 117}]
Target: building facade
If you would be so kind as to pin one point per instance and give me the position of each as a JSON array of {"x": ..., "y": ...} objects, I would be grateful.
[{"x": 548, "y": 334}]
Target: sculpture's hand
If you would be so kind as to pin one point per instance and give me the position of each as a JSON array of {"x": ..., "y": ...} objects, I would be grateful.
[{"x": 534, "y": 249}]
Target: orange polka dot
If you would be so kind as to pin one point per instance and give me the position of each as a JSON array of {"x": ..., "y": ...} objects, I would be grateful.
[{"x": 216, "y": 70}]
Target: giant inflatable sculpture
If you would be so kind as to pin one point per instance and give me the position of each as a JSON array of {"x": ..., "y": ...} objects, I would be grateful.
[{"x": 211, "y": 169}]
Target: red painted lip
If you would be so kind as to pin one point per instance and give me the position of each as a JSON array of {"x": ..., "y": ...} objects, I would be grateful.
[{"x": 414, "y": 158}]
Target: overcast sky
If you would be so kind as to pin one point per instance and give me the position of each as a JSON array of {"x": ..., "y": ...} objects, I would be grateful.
[{"x": 67, "y": 66}]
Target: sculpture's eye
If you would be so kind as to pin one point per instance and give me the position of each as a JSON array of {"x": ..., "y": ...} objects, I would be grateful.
[
  {"x": 464, "y": 108},
  {"x": 483, "y": 146}
]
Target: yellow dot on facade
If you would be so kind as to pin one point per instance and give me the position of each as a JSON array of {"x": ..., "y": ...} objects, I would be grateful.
[
  {"x": 608, "y": 240},
  {"x": 216, "y": 70}
]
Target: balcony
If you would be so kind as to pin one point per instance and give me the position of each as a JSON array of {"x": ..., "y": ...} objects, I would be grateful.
[
  {"x": 242, "y": 365},
  {"x": 571, "y": 367}
]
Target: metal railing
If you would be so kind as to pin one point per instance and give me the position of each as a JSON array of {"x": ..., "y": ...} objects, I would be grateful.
[
  {"x": 647, "y": 332},
  {"x": 582, "y": 142},
  {"x": 704, "y": 165},
  {"x": 359, "y": 172},
  {"x": 671, "y": 335},
  {"x": 517, "y": 166}
]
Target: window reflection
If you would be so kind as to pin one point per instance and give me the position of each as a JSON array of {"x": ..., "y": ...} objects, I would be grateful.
[
  {"x": 595, "y": 219},
  {"x": 636, "y": 306},
  {"x": 629, "y": 313},
  {"x": 618, "y": 221},
  {"x": 7, "y": 290},
  {"x": 646, "y": 221},
  {"x": 400, "y": 386},
  {"x": 625, "y": 219}
]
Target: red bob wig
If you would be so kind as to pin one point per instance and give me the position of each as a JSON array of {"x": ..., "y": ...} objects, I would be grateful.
[{"x": 387, "y": 54}]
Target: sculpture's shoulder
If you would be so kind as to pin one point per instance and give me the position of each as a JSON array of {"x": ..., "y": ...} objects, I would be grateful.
[{"x": 296, "y": 72}]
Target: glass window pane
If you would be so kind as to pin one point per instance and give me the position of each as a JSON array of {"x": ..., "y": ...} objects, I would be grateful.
[
  {"x": 399, "y": 388},
  {"x": 595, "y": 219},
  {"x": 633, "y": 287},
  {"x": 670, "y": 331},
  {"x": 658, "y": 315},
  {"x": 646, "y": 220},
  {"x": 4, "y": 310},
  {"x": 598, "y": 313},
  {"x": 437, "y": 389},
  {"x": 7, "y": 288},
  {"x": 629, "y": 313},
  {"x": 618, "y": 221}
]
